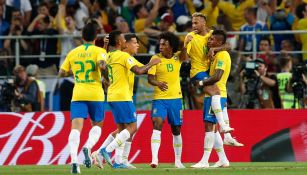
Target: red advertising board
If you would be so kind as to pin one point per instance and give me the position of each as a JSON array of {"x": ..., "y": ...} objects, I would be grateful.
[{"x": 41, "y": 138}]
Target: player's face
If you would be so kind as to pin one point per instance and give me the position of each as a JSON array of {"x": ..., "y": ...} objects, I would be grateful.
[
  {"x": 165, "y": 47},
  {"x": 133, "y": 46},
  {"x": 213, "y": 41},
  {"x": 198, "y": 24}
]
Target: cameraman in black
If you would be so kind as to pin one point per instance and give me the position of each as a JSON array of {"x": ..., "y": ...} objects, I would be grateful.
[
  {"x": 27, "y": 94},
  {"x": 260, "y": 87}
]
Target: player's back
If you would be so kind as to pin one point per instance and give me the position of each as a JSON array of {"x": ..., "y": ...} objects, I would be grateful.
[
  {"x": 222, "y": 61},
  {"x": 83, "y": 61},
  {"x": 119, "y": 65},
  {"x": 197, "y": 51}
]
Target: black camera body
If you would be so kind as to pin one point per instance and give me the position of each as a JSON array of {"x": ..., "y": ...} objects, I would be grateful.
[
  {"x": 297, "y": 82},
  {"x": 249, "y": 68},
  {"x": 7, "y": 90}
]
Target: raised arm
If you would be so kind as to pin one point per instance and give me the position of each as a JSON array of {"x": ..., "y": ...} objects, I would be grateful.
[{"x": 141, "y": 70}]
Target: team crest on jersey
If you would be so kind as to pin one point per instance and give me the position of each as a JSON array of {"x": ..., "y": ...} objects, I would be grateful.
[
  {"x": 220, "y": 63},
  {"x": 130, "y": 61},
  {"x": 103, "y": 55},
  {"x": 176, "y": 58}
]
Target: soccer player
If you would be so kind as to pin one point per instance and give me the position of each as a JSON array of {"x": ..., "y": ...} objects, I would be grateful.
[
  {"x": 86, "y": 63},
  {"x": 122, "y": 152},
  {"x": 119, "y": 95},
  {"x": 219, "y": 72},
  {"x": 167, "y": 96}
]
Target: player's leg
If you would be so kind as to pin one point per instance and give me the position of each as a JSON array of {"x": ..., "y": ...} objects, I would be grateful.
[
  {"x": 228, "y": 139},
  {"x": 175, "y": 119},
  {"x": 118, "y": 161},
  {"x": 78, "y": 113},
  {"x": 210, "y": 124},
  {"x": 214, "y": 92},
  {"x": 126, "y": 153},
  {"x": 124, "y": 113},
  {"x": 218, "y": 146},
  {"x": 96, "y": 112},
  {"x": 158, "y": 115}
]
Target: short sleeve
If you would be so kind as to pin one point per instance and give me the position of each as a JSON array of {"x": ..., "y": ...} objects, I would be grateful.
[
  {"x": 153, "y": 69},
  {"x": 221, "y": 61},
  {"x": 102, "y": 55},
  {"x": 66, "y": 64},
  {"x": 129, "y": 61}
]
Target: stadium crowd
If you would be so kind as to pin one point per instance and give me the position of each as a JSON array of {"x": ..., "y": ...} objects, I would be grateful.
[{"x": 263, "y": 83}]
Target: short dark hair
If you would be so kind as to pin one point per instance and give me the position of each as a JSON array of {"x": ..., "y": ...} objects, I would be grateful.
[
  {"x": 284, "y": 61},
  {"x": 42, "y": 4},
  {"x": 136, "y": 9},
  {"x": 198, "y": 14},
  {"x": 252, "y": 10},
  {"x": 129, "y": 36},
  {"x": 89, "y": 32},
  {"x": 265, "y": 38},
  {"x": 172, "y": 39},
  {"x": 113, "y": 37},
  {"x": 221, "y": 33}
]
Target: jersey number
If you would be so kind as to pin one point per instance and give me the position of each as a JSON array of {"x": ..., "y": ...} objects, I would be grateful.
[
  {"x": 87, "y": 72},
  {"x": 110, "y": 73},
  {"x": 169, "y": 67}
]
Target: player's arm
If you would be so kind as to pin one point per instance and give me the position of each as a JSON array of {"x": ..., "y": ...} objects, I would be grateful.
[
  {"x": 184, "y": 54},
  {"x": 143, "y": 69},
  {"x": 63, "y": 73},
  {"x": 212, "y": 79},
  {"x": 224, "y": 47},
  {"x": 102, "y": 64},
  {"x": 153, "y": 81}
]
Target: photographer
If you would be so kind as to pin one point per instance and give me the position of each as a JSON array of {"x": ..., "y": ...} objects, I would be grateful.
[
  {"x": 298, "y": 84},
  {"x": 27, "y": 94},
  {"x": 260, "y": 89}
]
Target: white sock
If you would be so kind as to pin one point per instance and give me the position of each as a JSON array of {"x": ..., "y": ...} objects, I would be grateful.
[
  {"x": 126, "y": 151},
  {"x": 155, "y": 145},
  {"x": 119, "y": 153},
  {"x": 226, "y": 120},
  {"x": 73, "y": 141},
  {"x": 93, "y": 137},
  {"x": 107, "y": 141},
  {"x": 217, "y": 109},
  {"x": 120, "y": 139},
  {"x": 177, "y": 144},
  {"x": 209, "y": 142},
  {"x": 218, "y": 146}
]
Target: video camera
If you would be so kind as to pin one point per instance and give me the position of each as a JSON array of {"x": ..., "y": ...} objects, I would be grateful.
[
  {"x": 298, "y": 85},
  {"x": 7, "y": 89},
  {"x": 249, "y": 68}
]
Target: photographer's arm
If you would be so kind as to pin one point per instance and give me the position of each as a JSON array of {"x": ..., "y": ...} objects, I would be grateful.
[
  {"x": 242, "y": 84},
  {"x": 268, "y": 81}
]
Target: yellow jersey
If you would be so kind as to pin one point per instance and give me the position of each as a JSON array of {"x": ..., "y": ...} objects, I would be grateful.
[
  {"x": 221, "y": 61},
  {"x": 235, "y": 13},
  {"x": 83, "y": 61},
  {"x": 169, "y": 71},
  {"x": 131, "y": 76},
  {"x": 119, "y": 65},
  {"x": 197, "y": 50},
  {"x": 302, "y": 25}
]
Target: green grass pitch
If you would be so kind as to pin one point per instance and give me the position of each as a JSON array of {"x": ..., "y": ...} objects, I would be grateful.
[{"x": 264, "y": 168}]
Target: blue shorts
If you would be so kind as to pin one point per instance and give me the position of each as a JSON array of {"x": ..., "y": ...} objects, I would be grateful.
[
  {"x": 200, "y": 76},
  {"x": 81, "y": 109},
  {"x": 208, "y": 112},
  {"x": 172, "y": 108},
  {"x": 123, "y": 111}
]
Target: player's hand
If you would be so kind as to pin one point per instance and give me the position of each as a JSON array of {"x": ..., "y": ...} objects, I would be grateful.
[
  {"x": 211, "y": 53},
  {"x": 106, "y": 40},
  {"x": 187, "y": 40},
  {"x": 163, "y": 86},
  {"x": 155, "y": 61}
]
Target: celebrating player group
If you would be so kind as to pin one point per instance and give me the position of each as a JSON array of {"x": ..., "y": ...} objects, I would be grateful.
[{"x": 113, "y": 68}]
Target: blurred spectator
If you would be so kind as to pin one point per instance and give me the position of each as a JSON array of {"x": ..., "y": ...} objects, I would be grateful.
[
  {"x": 235, "y": 11},
  {"x": 68, "y": 28},
  {"x": 302, "y": 25},
  {"x": 260, "y": 89},
  {"x": 153, "y": 32},
  {"x": 121, "y": 25},
  {"x": 4, "y": 26},
  {"x": 287, "y": 47},
  {"x": 6, "y": 65},
  {"x": 99, "y": 8},
  {"x": 23, "y": 6},
  {"x": 283, "y": 78},
  {"x": 246, "y": 41},
  {"x": 281, "y": 20},
  {"x": 267, "y": 54},
  {"x": 178, "y": 7},
  {"x": 183, "y": 24},
  {"x": 44, "y": 46},
  {"x": 27, "y": 91},
  {"x": 78, "y": 10},
  {"x": 263, "y": 10},
  {"x": 16, "y": 29},
  {"x": 32, "y": 71}
]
